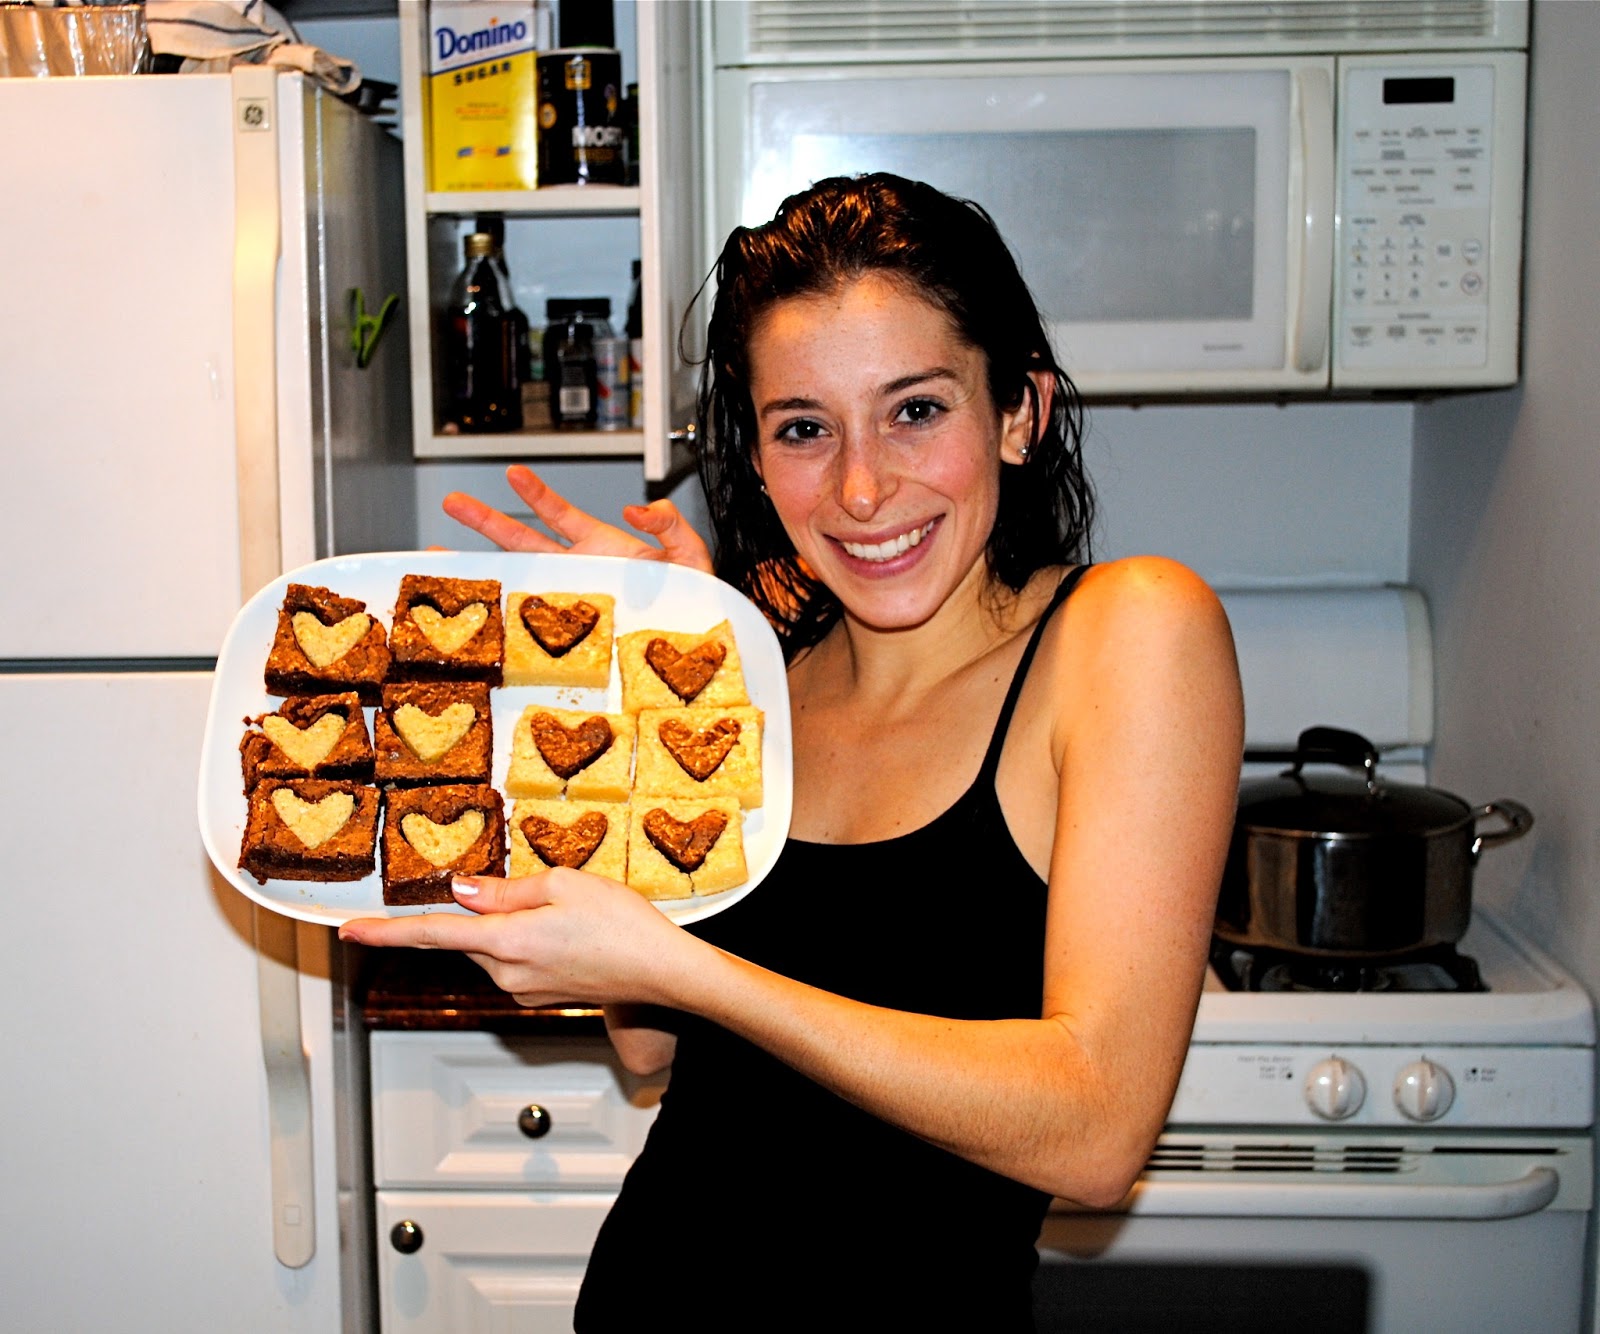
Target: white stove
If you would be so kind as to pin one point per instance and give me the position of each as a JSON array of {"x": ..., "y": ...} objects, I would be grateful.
[{"x": 1387, "y": 1161}]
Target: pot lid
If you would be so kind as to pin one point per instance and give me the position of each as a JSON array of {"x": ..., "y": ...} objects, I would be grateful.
[{"x": 1324, "y": 801}]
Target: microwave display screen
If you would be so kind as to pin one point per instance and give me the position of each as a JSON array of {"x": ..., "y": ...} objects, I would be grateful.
[
  {"x": 1418, "y": 91},
  {"x": 1134, "y": 224}
]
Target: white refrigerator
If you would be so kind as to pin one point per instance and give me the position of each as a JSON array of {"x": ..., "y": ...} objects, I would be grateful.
[{"x": 183, "y": 415}]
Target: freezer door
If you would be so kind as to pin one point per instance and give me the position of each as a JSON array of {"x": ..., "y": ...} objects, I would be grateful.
[
  {"x": 134, "y": 1136},
  {"x": 117, "y": 517}
]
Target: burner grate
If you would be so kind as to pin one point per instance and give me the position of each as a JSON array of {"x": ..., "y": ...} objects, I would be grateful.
[{"x": 1437, "y": 968}]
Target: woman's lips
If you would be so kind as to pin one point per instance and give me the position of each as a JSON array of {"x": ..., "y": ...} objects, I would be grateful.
[{"x": 877, "y": 553}]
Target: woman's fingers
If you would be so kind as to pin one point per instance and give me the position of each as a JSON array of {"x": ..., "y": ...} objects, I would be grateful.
[
  {"x": 491, "y": 894},
  {"x": 505, "y": 532},
  {"x": 680, "y": 544},
  {"x": 557, "y": 513}
]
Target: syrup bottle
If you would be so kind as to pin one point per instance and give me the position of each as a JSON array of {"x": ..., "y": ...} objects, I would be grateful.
[{"x": 482, "y": 390}]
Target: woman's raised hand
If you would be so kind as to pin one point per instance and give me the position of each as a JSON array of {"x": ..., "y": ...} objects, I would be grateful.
[{"x": 581, "y": 533}]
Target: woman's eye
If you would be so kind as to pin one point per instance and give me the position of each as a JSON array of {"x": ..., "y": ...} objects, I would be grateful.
[
  {"x": 803, "y": 428},
  {"x": 919, "y": 410}
]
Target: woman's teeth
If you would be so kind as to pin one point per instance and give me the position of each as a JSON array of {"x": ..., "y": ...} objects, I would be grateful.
[{"x": 880, "y": 551}]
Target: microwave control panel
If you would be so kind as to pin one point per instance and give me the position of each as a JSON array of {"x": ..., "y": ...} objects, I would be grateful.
[{"x": 1414, "y": 270}]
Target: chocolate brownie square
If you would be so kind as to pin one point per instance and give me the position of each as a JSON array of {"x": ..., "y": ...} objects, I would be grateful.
[
  {"x": 431, "y": 834},
  {"x": 325, "y": 644},
  {"x": 434, "y": 732},
  {"x": 310, "y": 829},
  {"x": 311, "y": 736},
  {"x": 447, "y": 630}
]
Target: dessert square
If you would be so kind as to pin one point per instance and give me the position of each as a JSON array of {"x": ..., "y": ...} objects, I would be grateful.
[
  {"x": 325, "y": 644},
  {"x": 670, "y": 669},
  {"x": 309, "y": 829},
  {"x": 586, "y": 835},
  {"x": 434, "y": 732},
  {"x": 447, "y": 629},
  {"x": 587, "y": 756},
  {"x": 431, "y": 834},
  {"x": 678, "y": 847},
  {"x": 700, "y": 753},
  {"x": 311, "y": 736},
  {"x": 559, "y": 639}
]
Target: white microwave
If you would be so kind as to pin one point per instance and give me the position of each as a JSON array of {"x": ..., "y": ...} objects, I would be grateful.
[{"x": 1217, "y": 212}]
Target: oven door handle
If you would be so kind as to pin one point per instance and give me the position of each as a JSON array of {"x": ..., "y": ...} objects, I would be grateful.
[{"x": 1526, "y": 1194}]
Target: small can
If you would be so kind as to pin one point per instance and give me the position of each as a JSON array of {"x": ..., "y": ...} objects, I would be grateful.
[{"x": 613, "y": 412}]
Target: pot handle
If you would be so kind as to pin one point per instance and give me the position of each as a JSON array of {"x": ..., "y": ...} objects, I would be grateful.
[
  {"x": 1518, "y": 818},
  {"x": 1335, "y": 745}
]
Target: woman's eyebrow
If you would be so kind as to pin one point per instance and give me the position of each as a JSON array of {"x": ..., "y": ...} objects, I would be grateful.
[{"x": 894, "y": 386}]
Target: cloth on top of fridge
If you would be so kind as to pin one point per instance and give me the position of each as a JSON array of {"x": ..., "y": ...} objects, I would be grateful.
[{"x": 214, "y": 35}]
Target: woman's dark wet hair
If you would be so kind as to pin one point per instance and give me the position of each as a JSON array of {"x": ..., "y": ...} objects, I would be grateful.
[{"x": 948, "y": 251}]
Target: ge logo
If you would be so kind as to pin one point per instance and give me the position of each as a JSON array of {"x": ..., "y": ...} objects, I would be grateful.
[{"x": 253, "y": 115}]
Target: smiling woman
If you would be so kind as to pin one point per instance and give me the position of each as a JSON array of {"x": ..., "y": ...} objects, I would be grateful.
[{"x": 1017, "y": 770}]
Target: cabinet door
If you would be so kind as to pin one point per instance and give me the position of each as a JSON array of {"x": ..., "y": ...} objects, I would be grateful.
[
  {"x": 456, "y": 1109},
  {"x": 672, "y": 206},
  {"x": 483, "y": 1263}
]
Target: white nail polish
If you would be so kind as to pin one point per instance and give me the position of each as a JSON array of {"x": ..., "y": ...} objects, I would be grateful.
[{"x": 464, "y": 888}]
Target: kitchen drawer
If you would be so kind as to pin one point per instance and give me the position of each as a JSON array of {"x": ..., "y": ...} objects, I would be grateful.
[
  {"x": 448, "y": 1110},
  {"x": 483, "y": 1261}
]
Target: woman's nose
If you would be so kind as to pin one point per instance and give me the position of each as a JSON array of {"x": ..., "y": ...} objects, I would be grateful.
[{"x": 863, "y": 482}]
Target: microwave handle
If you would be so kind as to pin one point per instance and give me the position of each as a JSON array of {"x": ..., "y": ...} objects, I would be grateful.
[{"x": 1314, "y": 211}]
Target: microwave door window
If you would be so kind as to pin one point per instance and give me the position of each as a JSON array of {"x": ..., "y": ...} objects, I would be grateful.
[{"x": 1151, "y": 226}]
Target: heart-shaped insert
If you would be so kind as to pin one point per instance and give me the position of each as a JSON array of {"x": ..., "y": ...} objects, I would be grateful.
[
  {"x": 431, "y": 736},
  {"x": 313, "y": 822},
  {"x": 558, "y": 630},
  {"x": 699, "y": 753},
  {"x": 686, "y": 844},
  {"x": 306, "y": 747},
  {"x": 567, "y": 749},
  {"x": 685, "y": 674},
  {"x": 442, "y": 844},
  {"x": 449, "y": 633},
  {"x": 566, "y": 845},
  {"x": 324, "y": 645}
]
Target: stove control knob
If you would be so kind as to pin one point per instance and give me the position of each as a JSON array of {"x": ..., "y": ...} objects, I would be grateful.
[
  {"x": 1335, "y": 1089},
  {"x": 1424, "y": 1091}
]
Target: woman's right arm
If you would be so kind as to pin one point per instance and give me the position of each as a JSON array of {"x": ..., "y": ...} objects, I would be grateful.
[
  {"x": 580, "y": 533},
  {"x": 644, "y": 1045}
]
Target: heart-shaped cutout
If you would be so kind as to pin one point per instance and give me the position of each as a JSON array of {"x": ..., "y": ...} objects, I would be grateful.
[
  {"x": 307, "y": 746},
  {"x": 685, "y": 674},
  {"x": 699, "y": 753},
  {"x": 566, "y": 845},
  {"x": 569, "y": 749},
  {"x": 686, "y": 844},
  {"x": 558, "y": 630},
  {"x": 442, "y": 844},
  {"x": 313, "y": 822},
  {"x": 431, "y": 735},
  {"x": 449, "y": 633},
  {"x": 324, "y": 645}
]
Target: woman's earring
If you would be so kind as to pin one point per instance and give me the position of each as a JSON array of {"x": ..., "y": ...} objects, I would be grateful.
[
  {"x": 763, "y": 488},
  {"x": 1022, "y": 454}
]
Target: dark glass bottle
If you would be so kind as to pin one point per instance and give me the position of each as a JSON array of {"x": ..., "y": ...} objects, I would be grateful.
[
  {"x": 495, "y": 227},
  {"x": 481, "y": 387}
]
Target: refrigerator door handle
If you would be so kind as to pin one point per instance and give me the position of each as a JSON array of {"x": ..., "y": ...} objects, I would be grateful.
[{"x": 258, "y": 248}]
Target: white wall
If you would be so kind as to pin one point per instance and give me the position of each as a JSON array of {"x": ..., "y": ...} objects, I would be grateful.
[{"x": 1505, "y": 539}]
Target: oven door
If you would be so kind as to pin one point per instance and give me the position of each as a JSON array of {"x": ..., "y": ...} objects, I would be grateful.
[
  {"x": 1329, "y": 1235},
  {"x": 1173, "y": 218}
]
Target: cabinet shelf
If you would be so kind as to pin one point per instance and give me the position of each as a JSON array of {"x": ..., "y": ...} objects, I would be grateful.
[
  {"x": 554, "y": 201},
  {"x": 532, "y": 445}
]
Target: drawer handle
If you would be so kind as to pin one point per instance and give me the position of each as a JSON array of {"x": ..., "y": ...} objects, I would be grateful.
[
  {"x": 406, "y": 1237},
  {"x": 533, "y": 1121}
]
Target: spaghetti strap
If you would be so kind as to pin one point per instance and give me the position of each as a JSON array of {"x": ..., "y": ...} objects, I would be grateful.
[{"x": 991, "y": 760}]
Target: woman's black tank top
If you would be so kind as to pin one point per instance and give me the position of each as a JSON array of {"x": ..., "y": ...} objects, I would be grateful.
[{"x": 761, "y": 1201}]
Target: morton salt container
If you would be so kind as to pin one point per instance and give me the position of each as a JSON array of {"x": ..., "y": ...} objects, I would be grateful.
[{"x": 580, "y": 100}]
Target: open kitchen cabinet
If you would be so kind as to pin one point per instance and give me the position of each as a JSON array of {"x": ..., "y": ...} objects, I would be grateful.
[{"x": 550, "y": 231}]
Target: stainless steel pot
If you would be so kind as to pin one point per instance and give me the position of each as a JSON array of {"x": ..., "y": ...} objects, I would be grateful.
[{"x": 1334, "y": 864}]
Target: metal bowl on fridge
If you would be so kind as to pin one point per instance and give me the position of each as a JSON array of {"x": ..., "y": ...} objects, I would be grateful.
[{"x": 1329, "y": 862}]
